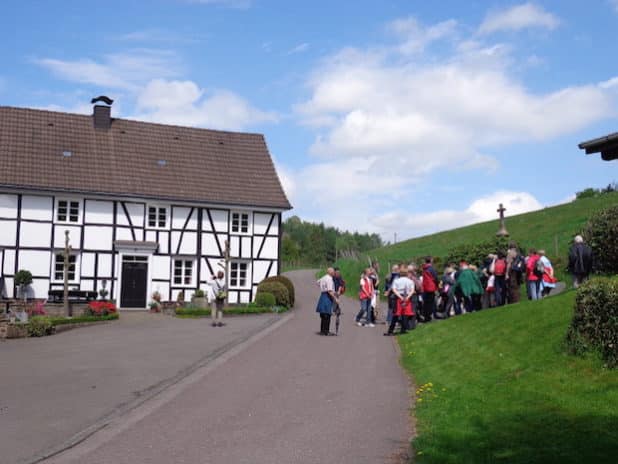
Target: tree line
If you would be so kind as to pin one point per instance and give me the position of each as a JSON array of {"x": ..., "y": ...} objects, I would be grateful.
[{"x": 310, "y": 244}]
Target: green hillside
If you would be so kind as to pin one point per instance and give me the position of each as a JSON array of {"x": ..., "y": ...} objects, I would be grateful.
[
  {"x": 551, "y": 229},
  {"x": 498, "y": 386}
]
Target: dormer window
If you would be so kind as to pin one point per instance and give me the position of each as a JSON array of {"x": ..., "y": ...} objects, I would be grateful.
[{"x": 68, "y": 211}]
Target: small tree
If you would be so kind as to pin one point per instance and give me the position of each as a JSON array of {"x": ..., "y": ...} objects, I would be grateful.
[{"x": 23, "y": 278}]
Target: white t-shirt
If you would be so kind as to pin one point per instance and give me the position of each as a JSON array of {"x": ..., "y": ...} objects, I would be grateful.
[
  {"x": 404, "y": 285},
  {"x": 326, "y": 284}
]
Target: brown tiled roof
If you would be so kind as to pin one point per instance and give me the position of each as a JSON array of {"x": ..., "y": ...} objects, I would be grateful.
[{"x": 136, "y": 158}]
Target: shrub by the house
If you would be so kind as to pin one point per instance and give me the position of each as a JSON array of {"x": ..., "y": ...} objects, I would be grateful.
[
  {"x": 265, "y": 299},
  {"x": 278, "y": 290},
  {"x": 601, "y": 233},
  {"x": 288, "y": 284},
  {"x": 595, "y": 322}
]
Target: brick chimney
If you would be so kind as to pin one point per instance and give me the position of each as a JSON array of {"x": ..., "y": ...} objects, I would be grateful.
[{"x": 101, "y": 115}]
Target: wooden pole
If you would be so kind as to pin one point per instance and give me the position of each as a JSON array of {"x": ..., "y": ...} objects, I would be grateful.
[{"x": 67, "y": 253}]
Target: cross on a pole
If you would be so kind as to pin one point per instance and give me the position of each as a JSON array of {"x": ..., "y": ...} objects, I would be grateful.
[
  {"x": 66, "y": 253},
  {"x": 502, "y": 232}
]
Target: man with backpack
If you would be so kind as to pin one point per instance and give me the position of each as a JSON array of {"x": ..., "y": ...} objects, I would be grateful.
[
  {"x": 499, "y": 272},
  {"x": 515, "y": 268}
]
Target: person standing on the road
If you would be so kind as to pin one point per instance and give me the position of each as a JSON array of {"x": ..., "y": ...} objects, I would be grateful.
[
  {"x": 219, "y": 289},
  {"x": 328, "y": 298},
  {"x": 403, "y": 288},
  {"x": 375, "y": 281},
  {"x": 365, "y": 294},
  {"x": 580, "y": 261},
  {"x": 430, "y": 286},
  {"x": 339, "y": 284}
]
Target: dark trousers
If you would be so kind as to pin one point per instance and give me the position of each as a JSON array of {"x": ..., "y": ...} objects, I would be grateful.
[
  {"x": 324, "y": 323},
  {"x": 500, "y": 286},
  {"x": 429, "y": 305},
  {"x": 403, "y": 320}
]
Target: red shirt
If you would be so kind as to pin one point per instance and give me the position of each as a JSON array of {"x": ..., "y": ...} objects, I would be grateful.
[
  {"x": 530, "y": 263},
  {"x": 366, "y": 289}
]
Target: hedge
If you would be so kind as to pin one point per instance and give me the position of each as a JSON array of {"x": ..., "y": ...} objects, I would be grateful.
[
  {"x": 250, "y": 309},
  {"x": 601, "y": 234},
  {"x": 80, "y": 319},
  {"x": 595, "y": 323},
  {"x": 288, "y": 284},
  {"x": 279, "y": 290}
]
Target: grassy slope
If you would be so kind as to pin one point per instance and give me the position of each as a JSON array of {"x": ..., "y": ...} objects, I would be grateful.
[
  {"x": 540, "y": 229},
  {"x": 506, "y": 391}
]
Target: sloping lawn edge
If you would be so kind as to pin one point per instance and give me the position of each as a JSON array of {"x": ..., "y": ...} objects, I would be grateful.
[{"x": 499, "y": 386}]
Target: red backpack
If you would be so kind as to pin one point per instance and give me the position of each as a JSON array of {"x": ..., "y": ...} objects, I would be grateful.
[{"x": 500, "y": 267}]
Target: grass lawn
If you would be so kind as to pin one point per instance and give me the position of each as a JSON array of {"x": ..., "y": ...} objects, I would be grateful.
[
  {"x": 551, "y": 229},
  {"x": 498, "y": 386}
]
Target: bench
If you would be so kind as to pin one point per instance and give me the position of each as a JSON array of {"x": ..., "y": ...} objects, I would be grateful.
[{"x": 75, "y": 296}]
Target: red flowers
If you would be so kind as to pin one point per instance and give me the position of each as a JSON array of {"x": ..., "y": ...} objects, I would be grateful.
[{"x": 101, "y": 308}]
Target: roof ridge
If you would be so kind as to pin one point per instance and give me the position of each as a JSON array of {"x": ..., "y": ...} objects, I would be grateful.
[{"x": 131, "y": 120}]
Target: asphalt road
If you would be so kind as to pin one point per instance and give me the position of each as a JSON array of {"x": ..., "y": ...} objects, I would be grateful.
[
  {"x": 290, "y": 397},
  {"x": 55, "y": 389}
]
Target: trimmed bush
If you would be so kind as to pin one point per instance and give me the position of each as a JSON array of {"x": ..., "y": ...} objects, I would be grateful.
[
  {"x": 288, "y": 284},
  {"x": 81, "y": 319},
  {"x": 39, "y": 326},
  {"x": 601, "y": 234},
  {"x": 595, "y": 322},
  {"x": 278, "y": 290},
  {"x": 265, "y": 299},
  {"x": 199, "y": 293}
]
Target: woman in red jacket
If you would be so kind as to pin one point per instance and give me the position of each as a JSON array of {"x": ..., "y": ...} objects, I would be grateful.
[{"x": 364, "y": 295}]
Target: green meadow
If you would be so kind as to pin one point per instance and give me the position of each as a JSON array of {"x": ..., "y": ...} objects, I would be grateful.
[{"x": 499, "y": 386}]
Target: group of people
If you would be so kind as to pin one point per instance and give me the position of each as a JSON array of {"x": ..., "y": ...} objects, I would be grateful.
[{"x": 420, "y": 295}]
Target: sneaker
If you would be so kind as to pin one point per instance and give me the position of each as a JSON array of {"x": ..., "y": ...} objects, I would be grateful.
[
  {"x": 371, "y": 325},
  {"x": 359, "y": 324}
]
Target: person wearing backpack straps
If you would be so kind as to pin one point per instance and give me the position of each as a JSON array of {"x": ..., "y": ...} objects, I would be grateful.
[
  {"x": 533, "y": 281},
  {"x": 500, "y": 278},
  {"x": 513, "y": 277},
  {"x": 548, "y": 281}
]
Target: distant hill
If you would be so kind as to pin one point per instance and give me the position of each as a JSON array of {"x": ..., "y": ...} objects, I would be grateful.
[{"x": 551, "y": 229}]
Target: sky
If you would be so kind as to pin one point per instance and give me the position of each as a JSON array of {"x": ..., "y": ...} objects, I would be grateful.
[{"x": 395, "y": 117}]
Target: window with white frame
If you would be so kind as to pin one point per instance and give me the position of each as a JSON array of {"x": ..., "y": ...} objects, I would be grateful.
[
  {"x": 59, "y": 267},
  {"x": 183, "y": 272},
  {"x": 68, "y": 211},
  {"x": 240, "y": 222},
  {"x": 157, "y": 217},
  {"x": 239, "y": 274}
]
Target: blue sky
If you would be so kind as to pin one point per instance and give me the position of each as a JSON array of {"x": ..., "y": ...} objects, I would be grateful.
[{"x": 394, "y": 116}]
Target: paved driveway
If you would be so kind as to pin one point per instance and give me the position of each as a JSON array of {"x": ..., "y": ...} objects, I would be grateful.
[
  {"x": 291, "y": 397},
  {"x": 52, "y": 388}
]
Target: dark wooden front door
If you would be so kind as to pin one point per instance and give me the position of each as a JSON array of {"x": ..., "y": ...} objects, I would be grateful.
[{"x": 134, "y": 284}]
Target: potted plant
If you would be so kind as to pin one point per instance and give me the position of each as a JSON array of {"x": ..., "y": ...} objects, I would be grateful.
[
  {"x": 23, "y": 279},
  {"x": 198, "y": 299},
  {"x": 155, "y": 303},
  {"x": 103, "y": 292}
]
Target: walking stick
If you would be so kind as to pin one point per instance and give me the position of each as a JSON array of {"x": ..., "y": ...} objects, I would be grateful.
[{"x": 337, "y": 314}]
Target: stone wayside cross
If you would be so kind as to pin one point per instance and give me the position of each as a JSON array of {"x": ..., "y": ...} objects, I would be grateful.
[
  {"x": 66, "y": 254},
  {"x": 502, "y": 232}
]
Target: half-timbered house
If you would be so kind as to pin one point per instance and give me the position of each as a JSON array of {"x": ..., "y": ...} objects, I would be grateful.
[{"x": 148, "y": 207}]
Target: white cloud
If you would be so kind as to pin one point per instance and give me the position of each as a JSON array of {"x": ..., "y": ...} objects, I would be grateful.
[
  {"x": 403, "y": 115},
  {"x": 526, "y": 15},
  {"x": 300, "y": 48},
  {"x": 185, "y": 103},
  {"x": 482, "y": 209},
  {"x": 127, "y": 70}
]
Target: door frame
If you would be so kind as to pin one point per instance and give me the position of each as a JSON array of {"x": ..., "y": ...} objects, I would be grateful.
[{"x": 121, "y": 255}]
